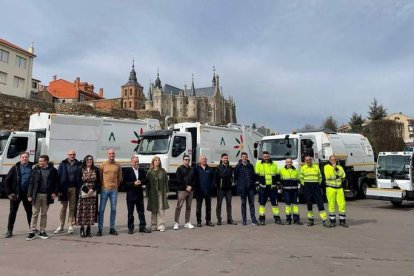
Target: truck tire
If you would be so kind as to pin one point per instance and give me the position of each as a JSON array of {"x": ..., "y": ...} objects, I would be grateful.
[
  {"x": 396, "y": 204},
  {"x": 362, "y": 191}
]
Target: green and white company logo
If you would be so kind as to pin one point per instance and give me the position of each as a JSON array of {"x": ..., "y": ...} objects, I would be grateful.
[{"x": 111, "y": 137}]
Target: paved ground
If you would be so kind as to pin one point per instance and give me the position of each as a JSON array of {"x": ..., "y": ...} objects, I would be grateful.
[{"x": 378, "y": 242}]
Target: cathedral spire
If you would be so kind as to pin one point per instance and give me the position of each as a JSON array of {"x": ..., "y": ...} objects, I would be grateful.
[
  {"x": 214, "y": 77},
  {"x": 192, "y": 92},
  {"x": 158, "y": 81},
  {"x": 150, "y": 91}
]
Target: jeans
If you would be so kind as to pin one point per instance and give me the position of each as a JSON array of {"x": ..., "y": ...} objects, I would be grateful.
[
  {"x": 113, "y": 196},
  {"x": 139, "y": 205},
  {"x": 200, "y": 199},
  {"x": 244, "y": 198},
  {"x": 220, "y": 195},
  {"x": 14, "y": 206}
]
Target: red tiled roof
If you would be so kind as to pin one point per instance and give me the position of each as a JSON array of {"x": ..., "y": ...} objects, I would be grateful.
[
  {"x": 64, "y": 89},
  {"x": 16, "y": 47}
]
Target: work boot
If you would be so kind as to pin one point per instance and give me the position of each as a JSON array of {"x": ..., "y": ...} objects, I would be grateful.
[
  {"x": 343, "y": 223},
  {"x": 288, "y": 222},
  {"x": 278, "y": 220},
  {"x": 9, "y": 234},
  {"x": 326, "y": 224},
  {"x": 310, "y": 222},
  {"x": 262, "y": 220},
  {"x": 333, "y": 223}
]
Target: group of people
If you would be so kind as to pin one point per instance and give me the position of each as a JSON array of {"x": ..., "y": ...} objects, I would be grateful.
[{"x": 78, "y": 185}]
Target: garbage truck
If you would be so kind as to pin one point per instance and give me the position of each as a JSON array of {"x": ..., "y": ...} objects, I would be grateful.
[
  {"x": 353, "y": 152},
  {"x": 195, "y": 139},
  {"x": 55, "y": 134},
  {"x": 394, "y": 174}
]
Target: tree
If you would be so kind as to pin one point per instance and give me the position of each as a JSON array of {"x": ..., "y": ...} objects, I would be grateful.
[
  {"x": 330, "y": 123},
  {"x": 307, "y": 127},
  {"x": 355, "y": 122},
  {"x": 376, "y": 111},
  {"x": 385, "y": 135}
]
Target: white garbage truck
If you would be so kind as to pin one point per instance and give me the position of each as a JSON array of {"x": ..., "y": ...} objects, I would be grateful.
[
  {"x": 55, "y": 134},
  {"x": 353, "y": 151},
  {"x": 394, "y": 178},
  {"x": 195, "y": 139}
]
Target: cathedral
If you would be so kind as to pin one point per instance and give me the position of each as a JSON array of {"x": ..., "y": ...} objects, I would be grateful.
[{"x": 205, "y": 105}]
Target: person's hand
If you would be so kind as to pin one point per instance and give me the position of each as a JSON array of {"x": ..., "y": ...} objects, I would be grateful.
[
  {"x": 30, "y": 199},
  {"x": 138, "y": 182},
  {"x": 53, "y": 196},
  {"x": 188, "y": 189},
  {"x": 90, "y": 192},
  {"x": 12, "y": 196}
]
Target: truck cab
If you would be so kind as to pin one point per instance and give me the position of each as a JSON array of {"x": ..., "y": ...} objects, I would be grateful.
[
  {"x": 12, "y": 143},
  {"x": 394, "y": 174}
]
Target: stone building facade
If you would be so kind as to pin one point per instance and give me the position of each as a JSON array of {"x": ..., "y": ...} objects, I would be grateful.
[
  {"x": 132, "y": 93},
  {"x": 206, "y": 105}
]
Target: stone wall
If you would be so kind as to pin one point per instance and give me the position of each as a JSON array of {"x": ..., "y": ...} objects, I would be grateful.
[{"x": 15, "y": 111}]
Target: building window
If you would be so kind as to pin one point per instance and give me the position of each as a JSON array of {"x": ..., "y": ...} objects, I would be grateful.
[
  {"x": 3, "y": 77},
  {"x": 130, "y": 104},
  {"x": 20, "y": 62},
  {"x": 130, "y": 91},
  {"x": 34, "y": 85},
  {"x": 4, "y": 56},
  {"x": 18, "y": 82},
  {"x": 125, "y": 104}
]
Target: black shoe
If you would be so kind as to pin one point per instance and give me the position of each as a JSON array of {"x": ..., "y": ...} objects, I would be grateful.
[
  {"x": 131, "y": 231},
  {"x": 343, "y": 224},
  {"x": 288, "y": 222},
  {"x": 43, "y": 235},
  {"x": 113, "y": 232},
  {"x": 99, "y": 233},
  {"x": 199, "y": 224},
  {"x": 298, "y": 222},
  {"x": 326, "y": 224},
  {"x": 262, "y": 220},
  {"x": 9, "y": 234},
  {"x": 333, "y": 223},
  {"x": 88, "y": 232},
  {"x": 31, "y": 236},
  {"x": 232, "y": 222},
  {"x": 144, "y": 230},
  {"x": 82, "y": 232},
  {"x": 310, "y": 222},
  {"x": 219, "y": 222},
  {"x": 278, "y": 220},
  {"x": 209, "y": 223},
  {"x": 255, "y": 222}
]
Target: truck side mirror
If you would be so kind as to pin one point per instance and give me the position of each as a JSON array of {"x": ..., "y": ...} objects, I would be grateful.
[
  {"x": 255, "y": 145},
  {"x": 255, "y": 153}
]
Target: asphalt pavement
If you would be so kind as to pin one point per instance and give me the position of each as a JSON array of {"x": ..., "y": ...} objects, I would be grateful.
[{"x": 379, "y": 241}]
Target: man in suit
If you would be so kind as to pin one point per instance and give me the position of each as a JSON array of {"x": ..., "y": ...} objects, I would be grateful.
[{"x": 134, "y": 180}]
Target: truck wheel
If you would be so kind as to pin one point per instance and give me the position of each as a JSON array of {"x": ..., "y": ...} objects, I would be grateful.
[
  {"x": 396, "y": 203},
  {"x": 362, "y": 193}
]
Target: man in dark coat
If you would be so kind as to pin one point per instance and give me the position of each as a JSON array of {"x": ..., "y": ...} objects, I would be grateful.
[
  {"x": 43, "y": 189},
  {"x": 224, "y": 183},
  {"x": 245, "y": 178},
  {"x": 69, "y": 186},
  {"x": 134, "y": 180},
  {"x": 204, "y": 176},
  {"x": 16, "y": 185}
]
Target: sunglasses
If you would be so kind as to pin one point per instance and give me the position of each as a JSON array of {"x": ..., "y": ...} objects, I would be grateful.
[
  {"x": 72, "y": 154},
  {"x": 186, "y": 159}
]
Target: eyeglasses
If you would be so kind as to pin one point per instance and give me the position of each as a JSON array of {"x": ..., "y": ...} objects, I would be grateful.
[
  {"x": 72, "y": 154},
  {"x": 186, "y": 159}
]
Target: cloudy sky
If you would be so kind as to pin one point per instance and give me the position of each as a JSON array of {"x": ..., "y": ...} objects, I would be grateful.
[{"x": 286, "y": 63}]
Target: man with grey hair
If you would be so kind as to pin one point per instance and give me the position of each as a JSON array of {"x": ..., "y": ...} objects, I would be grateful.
[
  {"x": 204, "y": 176},
  {"x": 134, "y": 180}
]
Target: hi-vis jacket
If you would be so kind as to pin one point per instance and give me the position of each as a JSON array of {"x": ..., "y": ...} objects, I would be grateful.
[
  {"x": 289, "y": 177},
  {"x": 310, "y": 174},
  {"x": 266, "y": 172},
  {"x": 334, "y": 176}
]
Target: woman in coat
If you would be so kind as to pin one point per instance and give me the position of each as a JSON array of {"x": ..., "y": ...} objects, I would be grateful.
[
  {"x": 86, "y": 210},
  {"x": 157, "y": 189}
]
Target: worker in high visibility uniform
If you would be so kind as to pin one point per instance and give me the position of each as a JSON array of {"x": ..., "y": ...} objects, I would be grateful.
[
  {"x": 311, "y": 178},
  {"x": 334, "y": 175},
  {"x": 267, "y": 177},
  {"x": 290, "y": 179}
]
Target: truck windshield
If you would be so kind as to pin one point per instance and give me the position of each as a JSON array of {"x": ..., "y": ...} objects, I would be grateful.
[
  {"x": 3, "y": 141},
  {"x": 154, "y": 145},
  {"x": 280, "y": 149},
  {"x": 393, "y": 166}
]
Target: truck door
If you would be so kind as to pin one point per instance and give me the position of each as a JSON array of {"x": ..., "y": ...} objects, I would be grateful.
[
  {"x": 308, "y": 147},
  {"x": 17, "y": 144},
  {"x": 180, "y": 146}
]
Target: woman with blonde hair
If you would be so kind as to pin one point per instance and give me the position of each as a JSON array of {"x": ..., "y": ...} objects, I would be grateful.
[{"x": 157, "y": 189}]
